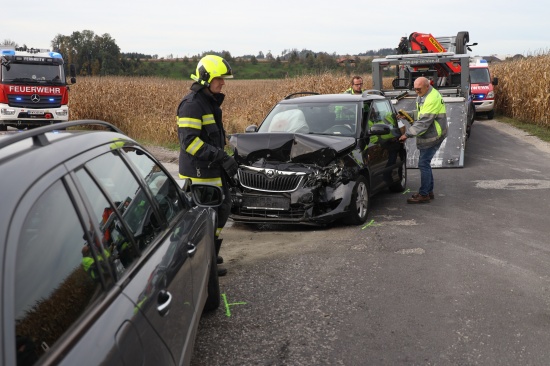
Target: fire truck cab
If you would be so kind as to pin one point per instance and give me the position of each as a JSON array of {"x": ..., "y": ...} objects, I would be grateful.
[{"x": 33, "y": 88}]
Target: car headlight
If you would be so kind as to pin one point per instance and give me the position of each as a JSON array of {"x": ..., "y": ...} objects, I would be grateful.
[{"x": 491, "y": 94}]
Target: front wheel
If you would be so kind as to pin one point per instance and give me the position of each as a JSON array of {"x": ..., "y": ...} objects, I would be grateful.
[
  {"x": 360, "y": 202},
  {"x": 491, "y": 114}
]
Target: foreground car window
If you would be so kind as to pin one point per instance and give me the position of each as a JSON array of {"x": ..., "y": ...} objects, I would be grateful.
[
  {"x": 120, "y": 248},
  {"x": 57, "y": 274},
  {"x": 163, "y": 189}
]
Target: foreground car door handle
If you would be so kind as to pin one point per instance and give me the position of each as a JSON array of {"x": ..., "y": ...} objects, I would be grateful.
[
  {"x": 165, "y": 300},
  {"x": 191, "y": 248}
]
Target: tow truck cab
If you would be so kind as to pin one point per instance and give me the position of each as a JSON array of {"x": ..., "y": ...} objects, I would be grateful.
[{"x": 482, "y": 87}]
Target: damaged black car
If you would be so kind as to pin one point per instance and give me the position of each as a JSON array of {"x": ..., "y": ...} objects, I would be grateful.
[{"x": 316, "y": 159}]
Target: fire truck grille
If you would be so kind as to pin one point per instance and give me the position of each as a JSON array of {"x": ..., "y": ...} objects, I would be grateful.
[{"x": 26, "y": 101}]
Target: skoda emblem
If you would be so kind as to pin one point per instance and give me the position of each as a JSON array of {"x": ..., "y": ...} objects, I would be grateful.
[
  {"x": 270, "y": 173},
  {"x": 35, "y": 98}
]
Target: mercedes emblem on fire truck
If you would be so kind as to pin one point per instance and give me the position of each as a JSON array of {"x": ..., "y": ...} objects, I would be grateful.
[{"x": 35, "y": 98}]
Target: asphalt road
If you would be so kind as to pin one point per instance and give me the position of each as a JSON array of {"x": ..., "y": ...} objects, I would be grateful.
[{"x": 463, "y": 280}]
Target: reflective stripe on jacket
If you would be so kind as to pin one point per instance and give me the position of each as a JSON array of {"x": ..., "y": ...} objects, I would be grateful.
[
  {"x": 201, "y": 135},
  {"x": 430, "y": 128}
]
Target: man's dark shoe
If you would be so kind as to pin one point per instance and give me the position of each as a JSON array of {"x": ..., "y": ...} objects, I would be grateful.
[
  {"x": 222, "y": 272},
  {"x": 431, "y": 194},
  {"x": 219, "y": 260},
  {"x": 419, "y": 199}
]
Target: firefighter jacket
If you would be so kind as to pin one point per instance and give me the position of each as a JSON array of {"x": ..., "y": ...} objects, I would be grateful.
[
  {"x": 201, "y": 135},
  {"x": 430, "y": 127}
]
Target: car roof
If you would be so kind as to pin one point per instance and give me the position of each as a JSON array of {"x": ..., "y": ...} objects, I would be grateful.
[
  {"x": 332, "y": 98},
  {"x": 26, "y": 156}
]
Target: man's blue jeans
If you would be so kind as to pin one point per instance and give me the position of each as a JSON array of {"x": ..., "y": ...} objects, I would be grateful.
[{"x": 426, "y": 176}]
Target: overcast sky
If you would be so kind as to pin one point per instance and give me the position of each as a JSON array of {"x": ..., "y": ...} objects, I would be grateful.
[{"x": 244, "y": 27}]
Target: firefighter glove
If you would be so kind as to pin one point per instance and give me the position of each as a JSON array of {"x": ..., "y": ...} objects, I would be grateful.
[{"x": 230, "y": 166}]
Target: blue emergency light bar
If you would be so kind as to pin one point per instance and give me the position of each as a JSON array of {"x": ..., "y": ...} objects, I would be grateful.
[
  {"x": 55, "y": 55},
  {"x": 8, "y": 52}
]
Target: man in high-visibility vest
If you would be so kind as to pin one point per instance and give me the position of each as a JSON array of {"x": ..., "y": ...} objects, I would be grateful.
[
  {"x": 430, "y": 129},
  {"x": 356, "y": 87}
]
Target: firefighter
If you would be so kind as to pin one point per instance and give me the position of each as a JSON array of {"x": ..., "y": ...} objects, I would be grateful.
[
  {"x": 356, "y": 87},
  {"x": 202, "y": 136},
  {"x": 430, "y": 129}
]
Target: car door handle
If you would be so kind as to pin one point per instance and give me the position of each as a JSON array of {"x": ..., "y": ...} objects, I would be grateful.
[
  {"x": 191, "y": 249},
  {"x": 165, "y": 300}
]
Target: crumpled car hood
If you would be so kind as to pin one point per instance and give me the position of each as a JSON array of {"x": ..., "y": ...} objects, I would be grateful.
[{"x": 289, "y": 147}]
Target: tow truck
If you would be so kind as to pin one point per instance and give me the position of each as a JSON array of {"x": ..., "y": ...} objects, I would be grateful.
[
  {"x": 33, "y": 88},
  {"x": 448, "y": 72}
]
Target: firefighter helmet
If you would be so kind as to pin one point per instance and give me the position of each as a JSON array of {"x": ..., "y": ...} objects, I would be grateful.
[{"x": 210, "y": 67}]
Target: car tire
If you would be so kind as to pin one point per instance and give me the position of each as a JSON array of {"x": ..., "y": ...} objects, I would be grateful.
[
  {"x": 213, "y": 299},
  {"x": 491, "y": 114},
  {"x": 402, "y": 183},
  {"x": 360, "y": 202}
]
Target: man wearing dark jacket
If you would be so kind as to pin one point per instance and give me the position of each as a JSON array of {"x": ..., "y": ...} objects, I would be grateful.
[{"x": 202, "y": 136}]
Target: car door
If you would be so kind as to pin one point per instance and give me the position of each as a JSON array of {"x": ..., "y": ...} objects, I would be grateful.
[
  {"x": 179, "y": 267},
  {"x": 154, "y": 270},
  {"x": 60, "y": 299},
  {"x": 382, "y": 150}
]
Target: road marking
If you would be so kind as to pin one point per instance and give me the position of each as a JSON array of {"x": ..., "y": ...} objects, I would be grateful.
[
  {"x": 227, "y": 305},
  {"x": 407, "y": 191},
  {"x": 411, "y": 251},
  {"x": 513, "y": 184}
]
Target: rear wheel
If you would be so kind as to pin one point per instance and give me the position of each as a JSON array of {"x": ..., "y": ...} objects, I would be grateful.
[
  {"x": 360, "y": 200},
  {"x": 213, "y": 299}
]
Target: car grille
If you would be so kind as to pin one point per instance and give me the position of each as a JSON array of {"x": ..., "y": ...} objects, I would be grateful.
[{"x": 270, "y": 180}]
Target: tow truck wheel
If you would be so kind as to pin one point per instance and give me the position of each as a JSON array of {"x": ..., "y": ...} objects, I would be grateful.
[
  {"x": 360, "y": 200},
  {"x": 462, "y": 38}
]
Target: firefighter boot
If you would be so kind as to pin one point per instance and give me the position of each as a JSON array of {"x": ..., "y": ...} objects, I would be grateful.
[{"x": 218, "y": 245}]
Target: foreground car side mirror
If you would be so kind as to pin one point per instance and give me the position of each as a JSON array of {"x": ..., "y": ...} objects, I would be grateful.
[
  {"x": 379, "y": 129},
  {"x": 205, "y": 195}
]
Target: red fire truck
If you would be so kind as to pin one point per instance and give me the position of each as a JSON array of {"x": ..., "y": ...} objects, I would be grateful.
[{"x": 33, "y": 88}]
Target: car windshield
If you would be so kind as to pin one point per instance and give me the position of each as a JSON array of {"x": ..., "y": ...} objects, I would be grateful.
[
  {"x": 479, "y": 76},
  {"x": 313, "y": 118}
]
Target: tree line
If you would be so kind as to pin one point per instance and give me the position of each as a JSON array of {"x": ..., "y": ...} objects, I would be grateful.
[{"x": 99, "y": 55}]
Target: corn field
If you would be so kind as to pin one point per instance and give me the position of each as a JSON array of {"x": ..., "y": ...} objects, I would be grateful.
[
  {"x": 145, "y": 107},
  {"x": 523, "y": 90}
]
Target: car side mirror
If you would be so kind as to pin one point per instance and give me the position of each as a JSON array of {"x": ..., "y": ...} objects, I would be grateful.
[
  {"x": 205, "y": 195},
  {"x": 379, "y": 129},
  {"x": 251, "y": 128},
  {"x": 495, "y": 81}
]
